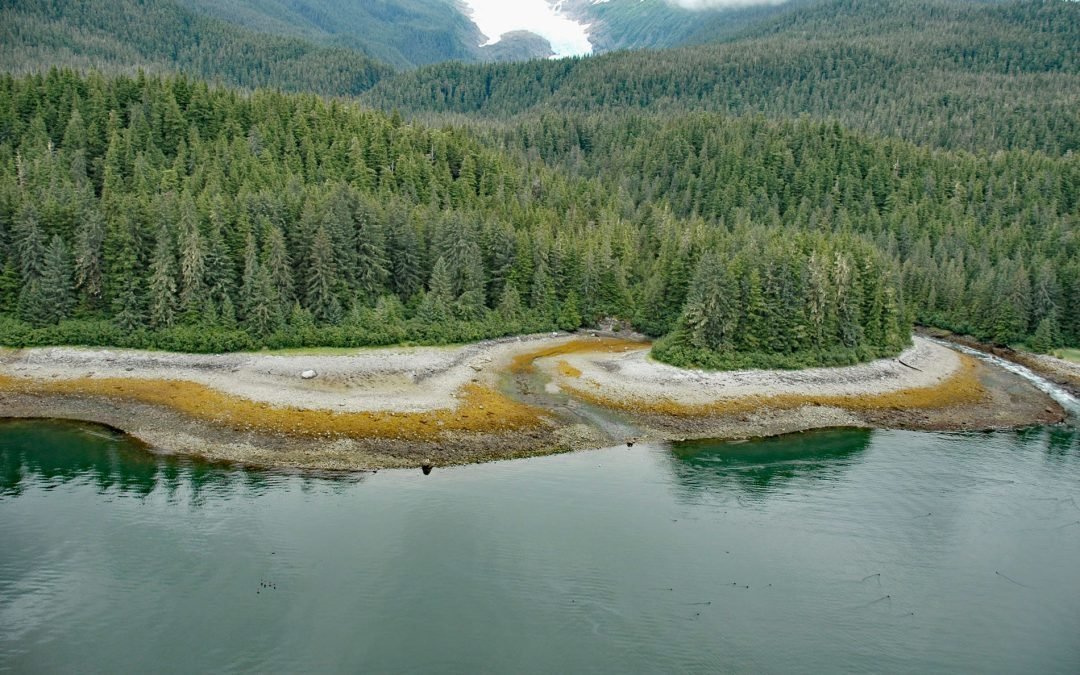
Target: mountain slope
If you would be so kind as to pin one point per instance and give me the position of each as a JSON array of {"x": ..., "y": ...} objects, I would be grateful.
[
  {"x": 122, "y": 35},
  {"x": 658, "y": 24},
  {"x": 402, "y": 33},
  {"x": 946, "y": 73}
]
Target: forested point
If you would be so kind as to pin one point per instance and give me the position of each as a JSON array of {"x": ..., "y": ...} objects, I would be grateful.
[{"x": 786, "y": 300}]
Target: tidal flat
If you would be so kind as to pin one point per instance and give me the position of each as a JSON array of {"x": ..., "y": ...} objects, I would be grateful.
[{"x": 405, "y": 407}]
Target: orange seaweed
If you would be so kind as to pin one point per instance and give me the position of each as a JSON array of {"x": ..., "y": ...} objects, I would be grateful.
[
  {"x": 962, "y": 387},
  {"x": 523, "y": 363},
  {"x": 480, "y": 409}
]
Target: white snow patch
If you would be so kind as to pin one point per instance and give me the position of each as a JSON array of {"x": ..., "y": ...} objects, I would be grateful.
[{"x": 495, "y": 18}]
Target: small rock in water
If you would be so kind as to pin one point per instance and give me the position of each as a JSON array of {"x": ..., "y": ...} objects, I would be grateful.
[
  {"x": 426, "y": 467},
  {"x": 309, "y": 375}
]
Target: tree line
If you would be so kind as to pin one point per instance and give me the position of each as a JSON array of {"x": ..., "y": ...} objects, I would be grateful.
[
  {"x": 161, "y": 212},
  {"x": 988, "y": 244}
]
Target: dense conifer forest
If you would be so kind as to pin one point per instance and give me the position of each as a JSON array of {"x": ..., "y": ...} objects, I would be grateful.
[
  {"x": 163, "y": 213},
  {"x": 161, "y": 35},
  {"x": 951, "y": 74},
  {"x": 798, "y": 192},
  {"x": 987, "y": 244}
]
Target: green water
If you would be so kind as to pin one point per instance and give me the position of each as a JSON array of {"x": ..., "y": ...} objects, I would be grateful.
[{"x": 829, "y": 552}]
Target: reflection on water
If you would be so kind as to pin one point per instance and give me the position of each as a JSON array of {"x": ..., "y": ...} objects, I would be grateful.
[
  {"x": 54, "y": 452},
  {"x": 756, "y": 468},
  {"x": 1060, "y": 440}
]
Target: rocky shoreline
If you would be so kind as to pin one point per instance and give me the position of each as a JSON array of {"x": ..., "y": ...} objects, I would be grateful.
[{"x": 502, "y": 399}]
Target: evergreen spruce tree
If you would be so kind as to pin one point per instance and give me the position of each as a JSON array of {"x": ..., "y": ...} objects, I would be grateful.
[
  {"x": 29, "y": 245},
  {"x": 542, "y": 296},
  {"x": 404, "y": 253},
  {"x": 192, "y": 262},
  {"x": 89, "y": 262},
  {"x": 10, "y": 282},
  {"x": 32, "y": 304},
  {"x": 569, "y": 316},
  {"x": 1047, "y": 335},
  {"x": 278, "y": 267},
  {"x": 509, "y": 308},
  {"x": 57, "y": 281},
  {"x": 709, "y": 318},
  {"x": 471, "y": 300},
  {"x": 249, "y": 291},
  {"x": 127, "y": 308},
  {"x": 162, "y": 284},
  {"x": 438, "y": 301},
  {"x": 322, "y": 280},
  {"x": 260, "y": 309},
  {"x": 371, "y": 259}
]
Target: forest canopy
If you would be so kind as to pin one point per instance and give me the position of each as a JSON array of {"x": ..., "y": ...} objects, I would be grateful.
[
  {"x": 952, "y": 74},
  {"x": 160, "y": 212},
  {"x": 797, "y": 191}
]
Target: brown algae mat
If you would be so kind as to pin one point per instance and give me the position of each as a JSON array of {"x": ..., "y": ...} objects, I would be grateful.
[
  {"x": 480, "y": 423},
  {"x": 480, "y": 409},
  {"x": 524, "y": 363}
]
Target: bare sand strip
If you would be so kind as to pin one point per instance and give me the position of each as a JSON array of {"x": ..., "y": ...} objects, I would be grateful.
[
  {"x": 412, "y": 379},
  {"x": 634, "y": 378},
  {"x": 376, "y": 408}
]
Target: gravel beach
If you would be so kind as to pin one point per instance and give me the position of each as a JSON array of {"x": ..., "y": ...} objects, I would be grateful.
[{"x": 374, "y": 408}]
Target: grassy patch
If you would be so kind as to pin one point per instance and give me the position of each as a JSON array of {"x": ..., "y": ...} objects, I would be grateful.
[{"x": 1071, "y": 355}]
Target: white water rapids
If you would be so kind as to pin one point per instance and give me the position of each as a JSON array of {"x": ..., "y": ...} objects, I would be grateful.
[{"x": 1067, "y": 400}]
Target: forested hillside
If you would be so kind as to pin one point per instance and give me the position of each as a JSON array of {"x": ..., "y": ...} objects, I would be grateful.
[
  {"x": 659, "y": 24},
  {"x": 946, "y": 73},
  {"x": 989, "y": 244},
  {"x": 796, "y": 193},
  {"x": 401, "y": 33},
  {"x": 332, "y": 47},
  {"x": 162, "y": 35},
  {"x": 163, "y": 213}
]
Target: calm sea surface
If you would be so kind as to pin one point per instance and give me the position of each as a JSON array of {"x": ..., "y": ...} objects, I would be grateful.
[{"x": 842, "y": 551}]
